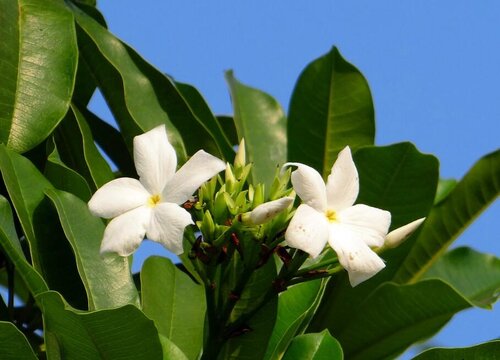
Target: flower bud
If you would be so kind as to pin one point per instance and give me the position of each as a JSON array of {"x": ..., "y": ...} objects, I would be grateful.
[
  {"x": 399, "y": 235},
  {"x": 265, "y": 212},
  {"x": 240, "y": 158}
]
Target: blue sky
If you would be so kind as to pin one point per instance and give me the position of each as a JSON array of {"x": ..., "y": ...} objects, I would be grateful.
[{"x": 433, "y": 68}]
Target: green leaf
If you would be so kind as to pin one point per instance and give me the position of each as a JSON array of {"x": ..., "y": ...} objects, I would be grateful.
[
  {"x": 115, "y": 334},
  {"x": 78, "y": 150},
  {"x": 479, "y": 187},
  {"x": 9, "y": 243},
  {"x": 485, "y": 351},
  {"x": 49, "y": 248},
  {"x": 38, "y": 43},
  {"x": 175, "y": 303},
  {"x": 64, "y": 178},
  {"x": 316, "y": 346},
  {"x": 202, "y": 111},
  {"x": 170, "y": 350},
  {"x": 415, "y": 312},
  {"x": 229, "y": 128},
  {"x": 474, "y": 275},
  {"x": 111, "y": 141},
  {"x": 13, "y": 344},
  {"x": 261, "y": 122},
  {"x": 107, "y": 278},
  {"x": 445, "y": 186},
  {"x": 296, "y": 306},
  {"x": 397, "y": 178},
  {"x": 331, "y": 107}
]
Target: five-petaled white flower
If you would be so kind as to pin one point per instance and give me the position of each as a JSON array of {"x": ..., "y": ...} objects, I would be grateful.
[
  {"x": 327, "y": 214},
  {"x": 150, "y": 206}
]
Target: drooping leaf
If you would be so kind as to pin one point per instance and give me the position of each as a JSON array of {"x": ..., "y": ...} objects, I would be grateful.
[
  {"x": 9, "y": 243},
  {"x": 415, "y": 312},
  {"x": 122, "y": 333},
  {"x": 474, "y": 275},
  {"x": 30, "y": 105},
  {"x": 485, "y": 351},
  {"x": 107, "y": 278},
  {"x": 296, "y": 307},
  {"x": 261, "y": 122},
  {"x": 316, "y": 346},
  {"x": 78, "y": 150},
  {"x": 13, "y": 344},
  {"x": 479, "y": 187},
  {"x": 331, "y": 107},
  {"x": 64, "y": 178},
  {"x": 175, "y": 303},
  {"x": 49, "y": 248},
  {"x": 202, "y": 111}
]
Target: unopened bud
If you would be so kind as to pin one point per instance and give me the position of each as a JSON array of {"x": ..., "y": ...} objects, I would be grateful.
[
  {"x": 399, "y": 235},
  {"x": 265, "y": 212},
  {"x": 240, "y": 158}
]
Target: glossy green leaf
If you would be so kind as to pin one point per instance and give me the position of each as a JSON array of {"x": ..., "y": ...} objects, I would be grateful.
[
  {"x": 252, "y": 344},
  {"x": 479, "y": 187},
  {"x": 175, "y": 303},
  {"x": 229, "y": 128},
  {"x": 30, "y": 106},
  {"x": 10, "y": 245},
  {"x": 474, "y": 275},
  {"x": 485, "y": 351},
  {"x": 445, "y": 186},
  {"x": 107, "y": 278},
  {"x": 116, "y": 334},
  {"x": 331, "y": 107},
  {"x": 415, "y": 312},
  {"x": 318, "y": 346},
  {"x": 78, "y": 150},
  {"x": 385, "y": 173},
  {"x": 261, "y": 122},
  {"x": 296, "y": 307},
  {"x": 170, "y": 350},
  {"x": 49, "y": 248},
  {"x": 202, "y": 111},
  {"x": 111, "y": 141},
  {"x": 64, "y": 178},
  {"x": 13, "y": 344}
]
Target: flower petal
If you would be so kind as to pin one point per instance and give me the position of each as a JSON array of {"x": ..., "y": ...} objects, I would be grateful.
[
  {"x": 117, "y": 197},
  {"x": 342, "y": 185},
  {"x": 368, "y": 223},
  {"x": 198, "y": 169},
  {"x": 266, "y": 211},
  {"x": 167, "y": 226},
  {"x": 308, "y": 230},
  {"x": 354, "y": 255},
  {"x": 155, "y": 159},
  {"x": 125, "y": 232},
  {"x": 309, "y": 185}
]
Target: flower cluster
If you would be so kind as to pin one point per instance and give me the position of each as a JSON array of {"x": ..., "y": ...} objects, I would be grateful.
[{"x": 151, "y": 206}]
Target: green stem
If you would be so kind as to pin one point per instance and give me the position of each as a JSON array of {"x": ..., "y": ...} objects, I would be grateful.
[
  {"x": 319, "y": 265},
  {"x": 320, "y": 275}
]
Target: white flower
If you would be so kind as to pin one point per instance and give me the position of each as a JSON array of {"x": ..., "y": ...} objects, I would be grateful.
[
  {"x": 327, "y": 214},
  {"x": 265, "y": 212},
  {"x": 150, "y": 206},
  {"x": 397, "y": 236}
]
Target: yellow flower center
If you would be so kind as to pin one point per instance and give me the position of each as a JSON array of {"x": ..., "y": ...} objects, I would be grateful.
[
  {"x": 154, "y": 200},
  {"x": 331, "y": 216}
]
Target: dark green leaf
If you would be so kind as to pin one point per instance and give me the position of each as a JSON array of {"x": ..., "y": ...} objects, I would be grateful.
[
  {"x": 117, "y": 334},
  {"x": 331, "y": 107},
  {"x": 260, "y": 120},
  {"x": 30, "y": 106},
  {"x": 229, "y": 128},
  {"x": 175, "y": 303},
  {"x": 485, "y": 351},
  {"x": 218, "y": 142},
  {"x": 416, "y": 312},
  {"x": 479, "y": 187},
  {"x": 474, "y": 275},
  {"x": 296, "y": 307},
  {"x": 318, "y": 346},
  {"x": 107, "y": 278},
  {"x": 13, "y": 344},
  {"x": 49, "y": 248},
  {"x": 445, "y": 186}
]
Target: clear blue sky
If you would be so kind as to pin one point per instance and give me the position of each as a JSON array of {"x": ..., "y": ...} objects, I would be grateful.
[{"x": 433, "y": 68}]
